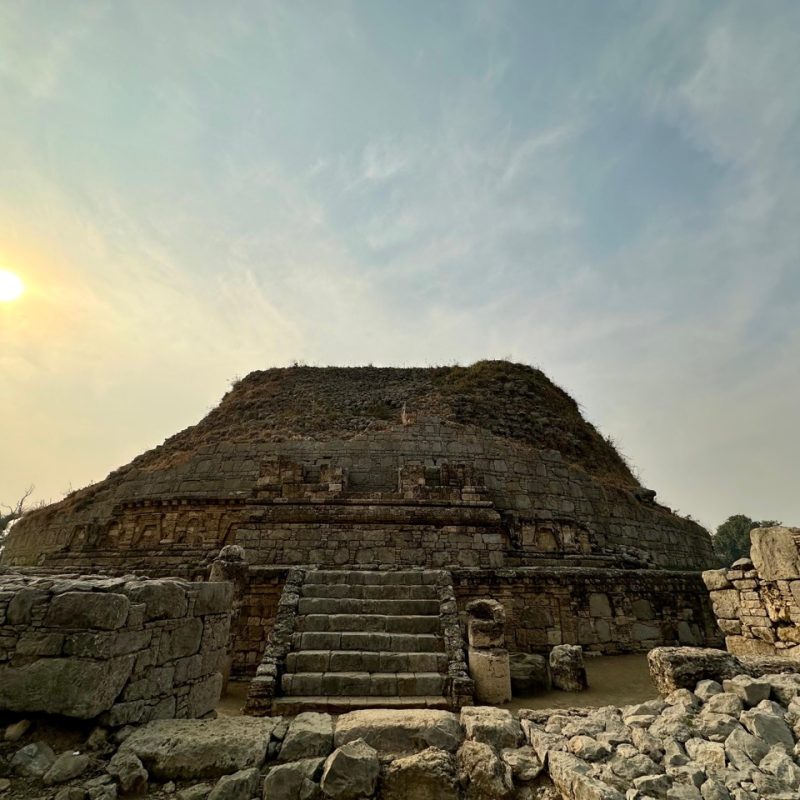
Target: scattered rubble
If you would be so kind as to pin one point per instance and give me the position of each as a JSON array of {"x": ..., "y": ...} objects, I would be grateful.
[{"x": 729, "y": 739}]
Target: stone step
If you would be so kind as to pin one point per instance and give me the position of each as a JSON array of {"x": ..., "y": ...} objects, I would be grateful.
[
  {"x": 346, "y": 605},
  {"x": 364, "y": 577},
  {"x": 366, "y": 640},
  {"x": 359, "y": 592},
  {"x": 367, "y": 623},
  {"x": 380, "y": 684},
  {"x": 292, "y": 706},
  {"x": 364, "y": 661}
]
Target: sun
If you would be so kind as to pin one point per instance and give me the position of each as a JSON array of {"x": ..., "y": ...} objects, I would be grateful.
[{"x": 11, "y": 286}]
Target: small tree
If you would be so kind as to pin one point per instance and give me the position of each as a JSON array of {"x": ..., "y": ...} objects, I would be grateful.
[
  {"x": 9, "y": 514},
  {"x": 732, "y": 539}
]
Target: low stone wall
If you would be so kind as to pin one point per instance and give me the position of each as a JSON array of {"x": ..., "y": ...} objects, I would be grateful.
[
  {"x": 757, "y": 602},
  {"x": 122, "y": 650},
  {"x": 604, "y": 610}
]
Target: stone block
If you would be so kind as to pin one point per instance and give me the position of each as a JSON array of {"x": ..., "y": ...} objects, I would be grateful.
[
  {"x": 310, "y": 735},
  {"x": 204, "y": 695},
  {"x": 197, "y": 749},
  {"x": 102, "y": 611},
  {"x": 70, "y": 687},
  {"x": 490, "y": 669},
  {"x": 162, "y": 599},
  {"x": 181, "y": 641},
  {"x": 775, "y": 553},
  {"x": 530, "y": 673},
  {"x": 395, "y": 733},
  {"x": 214, "y": 598},
  {"x": 21, "y": 605},
  {"x": 567, "y": 671}
]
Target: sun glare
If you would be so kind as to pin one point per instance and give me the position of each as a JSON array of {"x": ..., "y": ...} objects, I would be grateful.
[{"x": 11, "y": 286}]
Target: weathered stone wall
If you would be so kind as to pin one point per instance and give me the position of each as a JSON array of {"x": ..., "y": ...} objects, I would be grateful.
[
  {"x": 123, "y": 650},
  {"x": 263, "y": 494},
  {"x": 757, "y": 602},
  {"x": 604, "y": 610}
]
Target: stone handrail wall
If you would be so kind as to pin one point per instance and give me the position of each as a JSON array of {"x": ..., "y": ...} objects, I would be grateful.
[
  {"x": 459, "y": 687},
  {"x": 273, "y": 663},
  {"x": 120, "y": 650},
  {"x": 757, "y": 599}
]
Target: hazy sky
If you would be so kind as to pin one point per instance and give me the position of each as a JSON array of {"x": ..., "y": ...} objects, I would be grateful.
[{"x": 607, "y": 190}]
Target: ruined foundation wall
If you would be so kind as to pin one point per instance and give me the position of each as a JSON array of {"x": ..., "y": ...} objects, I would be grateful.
[
  {"x": 120, "y": 650},
  {"x": 757, "y": 599},
  {"x": 604, "y": 610}
]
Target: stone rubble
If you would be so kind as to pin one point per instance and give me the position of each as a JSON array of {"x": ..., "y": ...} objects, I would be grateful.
[{"x": 734, "y": 739}]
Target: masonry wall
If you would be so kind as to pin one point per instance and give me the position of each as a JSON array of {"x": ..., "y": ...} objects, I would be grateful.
[
  {"x": 120, "y": 650},
  {"x": 219, "y": 496},
  {"x": 604, "y": 610},
  {"x": 757, "y": 602}
]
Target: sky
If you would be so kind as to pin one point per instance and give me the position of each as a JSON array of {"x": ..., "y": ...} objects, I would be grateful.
[{"x": 608, "y": 191}]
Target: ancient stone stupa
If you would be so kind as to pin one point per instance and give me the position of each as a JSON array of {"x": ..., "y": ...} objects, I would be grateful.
[{"x": 484, "y": 479}]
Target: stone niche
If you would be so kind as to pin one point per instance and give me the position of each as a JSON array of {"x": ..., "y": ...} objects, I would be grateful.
[{"x": 119, "y": 650}]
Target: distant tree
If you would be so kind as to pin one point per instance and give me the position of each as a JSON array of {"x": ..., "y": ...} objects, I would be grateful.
[
  {"x": 732, "y": 539},
  {"x": 9, "y": 514}
]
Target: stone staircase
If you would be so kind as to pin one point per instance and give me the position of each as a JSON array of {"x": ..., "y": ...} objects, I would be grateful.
[{"x": 365, "y": 639}]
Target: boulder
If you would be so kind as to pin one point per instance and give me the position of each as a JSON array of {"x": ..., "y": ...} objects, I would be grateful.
[
  {"x": 530, "y": 673},
  {"x": 351, "y": 771},
  {"x": 66, "y": 767},
  {"x": 483, "y": 775},
  {"x": 181, "y": 749},
  {"x": 242, "y": 785},
  {"x": 770, "y": 728},
  {"x": 751, "y": 691},
  {"x": 395, "y": 733},
  {"x": 525, "y": 764},
  {"x": 493, "y": 726},
  {"x": 682, "y": 667},
  {"x": 33, "y": 760},
  {"x": 129, "y": 772},
  {"x": 566, "y": 668},
  {"x": 310, "y": 735},
  {"x": 429, "y": 775},
  {"x": 588, "y": 749},
  {"x": 16, "y": 730},
  {"x": 572, "y": 779},
  {"x": 295, "y": 780}
]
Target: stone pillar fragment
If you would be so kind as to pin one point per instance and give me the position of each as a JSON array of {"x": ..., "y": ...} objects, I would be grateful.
[
  {"x": 489, "y": 665},
  {"x": 566, "y": 668}
]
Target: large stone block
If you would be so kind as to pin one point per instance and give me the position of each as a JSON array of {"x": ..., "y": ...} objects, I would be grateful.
[
  {"x": 775, "y": 553},
  {"x": 104, "y": 611},
  {"x": 401, "y": 732},
  {"x": 162, "y": 599},
  {"x": 214, "y": 598},
  {"x": 71, "y": 687},
  {"x": 684, "y": 667},
  {"x": 490, "y": 669},
  {"x": 194, "y": 749},
  {"x": 181, "y": 641}
]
